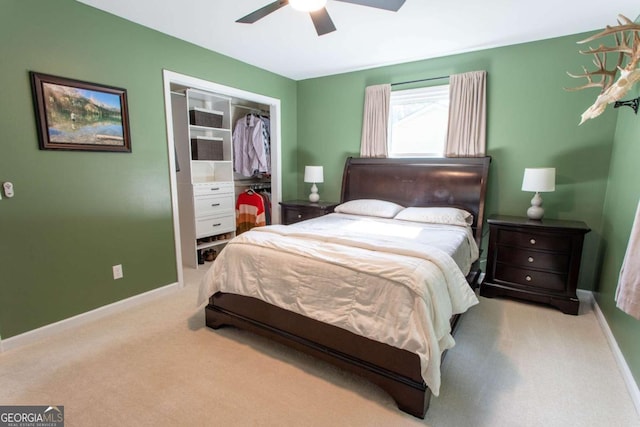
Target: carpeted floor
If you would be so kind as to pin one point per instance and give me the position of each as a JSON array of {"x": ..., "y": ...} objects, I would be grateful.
[{"x": 514, "y": 364}]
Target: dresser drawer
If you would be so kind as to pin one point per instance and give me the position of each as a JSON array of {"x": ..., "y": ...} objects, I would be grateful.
[
  {"x": 533, "y": 278},
  {"x": 528, "y": 258},
  {"x": 212, "y": 205},
  {"x": 213, "y": 188},
  {"x": 533, "y": 240},
  {"x": 208, "y": 226}
]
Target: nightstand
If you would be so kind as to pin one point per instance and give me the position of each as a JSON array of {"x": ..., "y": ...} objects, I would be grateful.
[
  {"x": 536, "y": 261},
  {"x": 298, "y": 210}
]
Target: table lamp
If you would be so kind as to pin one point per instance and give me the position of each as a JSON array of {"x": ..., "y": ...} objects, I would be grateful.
[
  {"x": 313, "y": 174},
  {"x": 538, "y": 180}
]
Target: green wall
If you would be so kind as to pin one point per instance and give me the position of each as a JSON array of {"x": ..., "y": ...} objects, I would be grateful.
[
  {"x": 532, "y": 122},
  {"x": 622, "y": 197},
  {"x": 75, "y": 214}
]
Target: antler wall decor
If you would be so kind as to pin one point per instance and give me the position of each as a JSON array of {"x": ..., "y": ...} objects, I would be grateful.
[{"x": 627, "y": 47}]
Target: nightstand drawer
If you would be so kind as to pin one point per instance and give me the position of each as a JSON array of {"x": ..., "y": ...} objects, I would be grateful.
[
  {"x": 533, "y": 240},
  {"x": 533, "y": 278},
  {"x": 293, "y": 215},
  {"x": 555, "y": 262},
  {"x": 299, "y": 210}
]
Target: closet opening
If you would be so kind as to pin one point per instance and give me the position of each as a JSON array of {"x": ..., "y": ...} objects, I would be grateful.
[{"x": 223, "y": 144}]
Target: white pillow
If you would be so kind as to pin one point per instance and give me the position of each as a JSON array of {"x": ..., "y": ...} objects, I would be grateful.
[
  {"x": 369, "y": 207},
  {"x": 452, "y": 216}
]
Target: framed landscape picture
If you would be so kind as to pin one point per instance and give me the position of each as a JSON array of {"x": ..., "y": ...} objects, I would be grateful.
[{"x": 77, "y": 115}]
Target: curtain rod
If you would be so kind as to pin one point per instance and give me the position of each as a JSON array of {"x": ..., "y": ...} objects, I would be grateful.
[{"x": 420, "y": 80}]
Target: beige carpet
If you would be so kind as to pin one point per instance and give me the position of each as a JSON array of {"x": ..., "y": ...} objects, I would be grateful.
[{"x": 158, "y": 365}]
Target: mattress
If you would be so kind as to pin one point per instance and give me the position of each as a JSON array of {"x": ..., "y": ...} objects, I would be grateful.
[{"x": 396, "y": 282}]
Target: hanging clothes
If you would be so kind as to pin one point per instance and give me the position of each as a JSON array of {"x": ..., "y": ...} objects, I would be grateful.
[
  {"x": 250, "y": 211},
  {"x": 266, "y": 197},
  {"x": 628, "y": 290},
  {"x": 266, "y": 132},
  {"x": 251, "y": 147}
]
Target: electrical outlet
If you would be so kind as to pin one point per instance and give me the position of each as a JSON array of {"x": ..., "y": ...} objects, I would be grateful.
[{"x": 117, "y": 272}]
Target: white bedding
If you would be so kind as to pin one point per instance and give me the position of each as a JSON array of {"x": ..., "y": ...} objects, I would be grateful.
[{"x": 392, "y": 281}]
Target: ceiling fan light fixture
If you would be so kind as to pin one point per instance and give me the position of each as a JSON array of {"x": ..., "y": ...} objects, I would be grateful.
[{"x": 307, "y": 5}]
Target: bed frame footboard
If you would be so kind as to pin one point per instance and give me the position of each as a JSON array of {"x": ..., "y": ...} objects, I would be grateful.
[{"x": 392, "y": 369}]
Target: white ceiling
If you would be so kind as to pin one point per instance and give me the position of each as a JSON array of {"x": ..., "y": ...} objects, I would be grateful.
[{"x": 286, "y": 42}]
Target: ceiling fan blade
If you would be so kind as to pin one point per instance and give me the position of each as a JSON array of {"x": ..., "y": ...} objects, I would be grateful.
[
  {"x": 263, "y": 11},
  {"x": 322, "y": 21},
  {"x": 393, "y": 5}
]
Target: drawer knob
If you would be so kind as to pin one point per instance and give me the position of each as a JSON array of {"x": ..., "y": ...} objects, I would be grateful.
[
  {"x": 215, "y": 189},
  {"x": 527, "y": 278},
  {"x": 299, "y": 215},
  {"x": 215, "y": 204},
  {"x": 532, "y": 241},
  {"x": 530, "y": 259},
  {"x": 217, "y": 225}
]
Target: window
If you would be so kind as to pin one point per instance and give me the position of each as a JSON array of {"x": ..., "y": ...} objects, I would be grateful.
[{"x": 418, "y": 122}]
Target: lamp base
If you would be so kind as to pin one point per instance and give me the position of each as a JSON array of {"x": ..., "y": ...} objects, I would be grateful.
[
  {"x": 314, "y": 197},
  {"x": 536, "y": 212}
]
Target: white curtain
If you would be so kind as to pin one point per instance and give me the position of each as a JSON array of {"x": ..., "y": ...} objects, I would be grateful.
[
  {"x": 628, "y": 290},
  {"x": 466, "y": 133},
  {"x": 375, "y": 121}
]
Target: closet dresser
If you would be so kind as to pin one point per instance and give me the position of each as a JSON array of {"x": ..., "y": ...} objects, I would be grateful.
[{"x": 206, "y": 200}]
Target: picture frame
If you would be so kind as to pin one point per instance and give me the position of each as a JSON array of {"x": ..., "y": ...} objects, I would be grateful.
[{"x": 78, "y": 115}]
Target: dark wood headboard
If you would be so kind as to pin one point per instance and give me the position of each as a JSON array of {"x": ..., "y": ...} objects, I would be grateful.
[{"x": 459, "y": 182}]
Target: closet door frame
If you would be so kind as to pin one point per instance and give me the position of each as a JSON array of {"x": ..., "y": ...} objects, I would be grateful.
[{"x": 172, "y": 78}]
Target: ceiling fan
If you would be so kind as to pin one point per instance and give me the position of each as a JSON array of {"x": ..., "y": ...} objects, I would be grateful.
[{"x": 319, "y": 15}]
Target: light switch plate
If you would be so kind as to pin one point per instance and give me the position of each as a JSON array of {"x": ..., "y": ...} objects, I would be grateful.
[{"x": 8, "y": 189}]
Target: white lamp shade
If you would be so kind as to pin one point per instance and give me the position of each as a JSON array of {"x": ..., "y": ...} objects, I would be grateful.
[
  {"x": 313, "y": 174},
  {"x": 307, "y": 5},
  {"x": 539, "y": 179}
]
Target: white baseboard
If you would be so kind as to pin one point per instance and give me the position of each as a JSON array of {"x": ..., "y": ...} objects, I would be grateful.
[
  {"x": 627, "y": 376},
  {"x": 35, "y": 335},
  {"x": 480, "y": 278}
]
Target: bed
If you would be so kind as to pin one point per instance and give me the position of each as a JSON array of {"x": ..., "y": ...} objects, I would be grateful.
[{"x": 361, "y": 342}]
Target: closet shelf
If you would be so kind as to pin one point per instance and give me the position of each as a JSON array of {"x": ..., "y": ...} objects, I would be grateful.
[
  {"x": 209, "y": 138},
  {"x": 196, "y": 128},
  {"x": 211, "y": 161},
  {"x": 206, "y": 96},
  {"x": 211, "y": 244}
]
